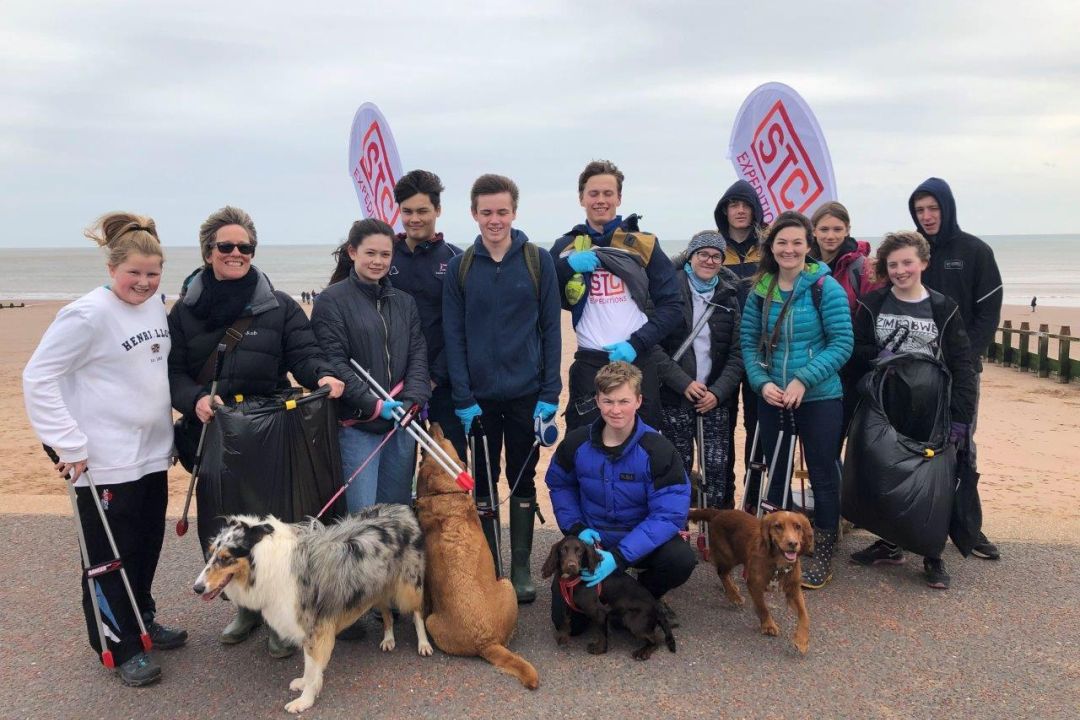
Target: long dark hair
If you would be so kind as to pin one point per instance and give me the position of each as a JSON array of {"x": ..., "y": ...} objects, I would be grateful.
[
  {"x": 359, "y": 230},
  {"x": 786, "y": 219}
]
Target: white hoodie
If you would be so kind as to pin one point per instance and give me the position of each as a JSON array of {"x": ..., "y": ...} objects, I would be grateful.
[{"x": 97, "y": 387}]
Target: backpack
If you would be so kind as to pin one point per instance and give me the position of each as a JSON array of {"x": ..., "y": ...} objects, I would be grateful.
[{"x": 532, "y": 262}]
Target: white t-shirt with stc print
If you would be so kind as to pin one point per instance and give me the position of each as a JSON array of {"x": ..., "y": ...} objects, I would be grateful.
[{"x": 610, "y": 314}]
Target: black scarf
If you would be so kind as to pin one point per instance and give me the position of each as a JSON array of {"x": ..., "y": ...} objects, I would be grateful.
[{"x": 222, "y": 301}]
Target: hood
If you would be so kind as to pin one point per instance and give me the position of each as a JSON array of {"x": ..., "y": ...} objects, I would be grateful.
[
  {"x": 807, "y": 277},
  {"x": 739, "y": 190},
  {"x": 940, "y": 189},
  {"x": 517, "y": 239},
  {"x": 630, "y": 224},
  {"x": 261, "y": 300},
  {"x": 848, "y": 247}
]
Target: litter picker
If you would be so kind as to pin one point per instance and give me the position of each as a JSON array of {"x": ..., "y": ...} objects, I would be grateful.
[
  {"x": 703, "y": 531},
  {"x": 93, "y": 572},
  {"x": 491, "y": 510},
  {"x": 182, "y": 523},
  {"x": 464, "y": 480}
]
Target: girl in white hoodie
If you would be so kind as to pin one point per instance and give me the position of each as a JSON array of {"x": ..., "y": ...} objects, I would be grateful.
[{"x": 97, "y": 392}]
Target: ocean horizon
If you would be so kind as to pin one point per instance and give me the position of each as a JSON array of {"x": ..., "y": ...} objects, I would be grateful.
[{"x": 1043, "y": 266}]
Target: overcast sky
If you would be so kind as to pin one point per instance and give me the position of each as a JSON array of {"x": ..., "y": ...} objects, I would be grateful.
[{"x": 175, "y": 109}]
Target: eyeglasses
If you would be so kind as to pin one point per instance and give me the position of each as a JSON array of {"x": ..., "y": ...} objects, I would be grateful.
[
  {"x": 226, "y": 248},
  {"x": 709, "y": 257}
]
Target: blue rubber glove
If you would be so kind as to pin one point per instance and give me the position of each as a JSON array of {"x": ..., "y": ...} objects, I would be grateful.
[
  {"x": 621, "y": 351},
  {"x": 545, "y": 410},
  {"x": 958, "y": 434},
  {"x": 589, "y": 536},
  {"x": 387, "y": 411},
  {"x": 583, "y": 261},
  {"x": 467, "y": 415},
  {"x": 605, "y": 568}
]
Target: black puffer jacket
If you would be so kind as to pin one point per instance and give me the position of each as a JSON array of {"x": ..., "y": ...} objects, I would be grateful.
[
  {"x": 953, "y": 345},
  {"x": 727, "y": 363},
  {"x": 279, "y": 340},
  {"x": 378, "y": 327}
]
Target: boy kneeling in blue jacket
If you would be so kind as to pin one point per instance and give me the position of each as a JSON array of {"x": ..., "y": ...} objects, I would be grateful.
[{"x": 621, "y": 483}]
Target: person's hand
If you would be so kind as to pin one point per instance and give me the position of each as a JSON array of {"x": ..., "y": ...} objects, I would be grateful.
[
  {"x": 772, "y": 394},
  {"x": 621, "y": 351},
  {"x": 707, "y": 402},
  {"x": 605, "y": 568},
  {"x": 545, "y": 410},
  {"x": 386, "y": 412},
  {"x": 583, "y": 261},
  {"x": 467, "y": 415},
  {"x": 204, "y": 408},
  {"x": 793, "y": 395},
  {"x": 72, "y": 470},
  {"x": 958, "y": 434},
  {"x": 589, "y": 536},
  {"x": 695, "y": 391},
  {"x": 337, "y": 388}
]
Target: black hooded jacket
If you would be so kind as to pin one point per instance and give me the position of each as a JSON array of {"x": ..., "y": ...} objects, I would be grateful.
[
  {"x": 963, "y": 267},
  {"x": 741, "y": 258}
]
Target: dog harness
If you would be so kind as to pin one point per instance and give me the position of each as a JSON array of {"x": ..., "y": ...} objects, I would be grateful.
[{"x": 566, "y": 589}]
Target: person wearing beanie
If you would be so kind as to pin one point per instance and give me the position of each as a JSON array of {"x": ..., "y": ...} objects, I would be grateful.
[{"x": 701, "y": 367}]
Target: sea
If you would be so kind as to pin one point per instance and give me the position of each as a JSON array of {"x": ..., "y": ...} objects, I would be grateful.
[{"x": 1043, "y": 266}]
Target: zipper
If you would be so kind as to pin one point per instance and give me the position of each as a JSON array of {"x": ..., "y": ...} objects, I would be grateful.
[{"x": 386, "y": 342}]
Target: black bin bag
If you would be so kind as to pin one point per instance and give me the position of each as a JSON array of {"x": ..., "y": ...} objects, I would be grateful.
[
  {"x": 270, "y": 455},
  {"x": 899, "y": 467}
]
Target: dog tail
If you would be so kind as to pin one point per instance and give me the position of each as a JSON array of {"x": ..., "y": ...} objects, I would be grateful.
[
  {"x": 706, "y": 514},
  {"x": 665, "y": 625},
  {"x": 512, "y": 664}
]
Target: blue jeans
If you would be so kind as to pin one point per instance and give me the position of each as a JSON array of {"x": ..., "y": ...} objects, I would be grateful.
[
  {"x": 818, "y": 424},
  {"x": 387, "y": 478}
]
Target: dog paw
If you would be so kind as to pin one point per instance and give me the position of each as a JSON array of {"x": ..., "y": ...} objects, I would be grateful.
[
  {"x": 802, "y": 644},
  {"x": 561, "y": 640},
  {"x": 299, "y": 705},
  {"x": 387, "y": 644},
  {"x": 596, "y": 648},
  {"x": 297, "y": 685},
  {"x": 642, "y": 653},
  {"x": 424, "y": 649},
  {"x": 770, "y": 628},
  {"x": 736, "y": 602}
]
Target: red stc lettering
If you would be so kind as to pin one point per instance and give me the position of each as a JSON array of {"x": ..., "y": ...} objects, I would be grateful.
[
  {"x": 775, "y": 135},
  {"x": 605, "y": 284},
  {"x": 797, "y": 175}
]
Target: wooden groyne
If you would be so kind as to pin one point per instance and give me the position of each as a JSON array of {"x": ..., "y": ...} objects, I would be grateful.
[{"x": 1012, "y": 348}]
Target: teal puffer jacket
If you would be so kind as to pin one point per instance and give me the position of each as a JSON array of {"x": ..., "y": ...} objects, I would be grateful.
[{"x": 811, "y": 347}]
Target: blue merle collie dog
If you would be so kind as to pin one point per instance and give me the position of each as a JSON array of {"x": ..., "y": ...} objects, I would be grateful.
[{"x": 310, "y": 581}]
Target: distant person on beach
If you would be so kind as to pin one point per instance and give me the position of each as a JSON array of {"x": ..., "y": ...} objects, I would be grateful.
[
  {"x": 1034, "y": 301},
  {"x": 739, "y": 218},
  {"x": 851, "y": 266},
  {"x": 421, "y": 257},
  {"x": 935, "y": 328},
  {"x": 963, "y": 267},
  {"x": 620, "y": 289},
  {"x": 503, "y": 351},
  {"x": 230, "y": 294},
  {"x": 112, "y": 344},
  {"x": 362, "y": 316}
]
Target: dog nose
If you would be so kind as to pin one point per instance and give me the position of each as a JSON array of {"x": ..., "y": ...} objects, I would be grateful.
[{"x": 199, "y": 588}]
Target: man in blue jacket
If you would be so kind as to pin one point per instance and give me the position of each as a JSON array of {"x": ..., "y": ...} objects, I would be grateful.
[
  {"x": 421, "y": 259},
  {"x": 620, "y": 483},
  {"x": 620, "y": 289},
  {"x": 503, "y": 350},
  {"x": 962, "y": 267}
]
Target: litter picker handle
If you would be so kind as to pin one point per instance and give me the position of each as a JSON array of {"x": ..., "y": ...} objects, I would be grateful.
[{"x": 182, "y": 523}]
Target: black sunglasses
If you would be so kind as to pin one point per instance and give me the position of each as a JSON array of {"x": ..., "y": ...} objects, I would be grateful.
[{"x": 226, "y": 248}]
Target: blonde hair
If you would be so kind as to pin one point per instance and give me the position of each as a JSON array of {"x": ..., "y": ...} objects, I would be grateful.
[
  {"x": 617, "y": 374},
  {"x": 123, "y": 234},
  {"x": 895, "y": 241}
]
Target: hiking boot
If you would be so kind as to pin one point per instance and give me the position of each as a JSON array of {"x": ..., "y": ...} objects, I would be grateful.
[
  {"x": 817, "y": 568},
  {"x": 672, "y": 618},
  {"x": 985, "y": 549},
  {"x": 139, "y": 670},
  {"x": 278, "y": 646},
  {"x": 936, "y": 577},
  {"x": 241, "y": 627},
  {"x": 880, "y": 553},
  {"x": 522, "y": 513},
  {"x": 165, "y": 638}
]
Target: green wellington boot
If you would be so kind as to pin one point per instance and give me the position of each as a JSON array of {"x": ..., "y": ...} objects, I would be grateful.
[
  {"x": 241, "y": 627},
  {"x": 522, "y": 514}
]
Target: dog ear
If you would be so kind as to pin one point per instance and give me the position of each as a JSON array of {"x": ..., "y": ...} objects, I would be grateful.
[
  {"x": 592, "y": 558},
  {"x": 766, "y": 535},
  {"x": 807, "y": 535},
  {"x": 552, "y": 562},
  {"x": 258, "y": 532}
]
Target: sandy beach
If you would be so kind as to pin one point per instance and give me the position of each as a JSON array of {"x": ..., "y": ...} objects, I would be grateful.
[{"x": 1028, "y": 454}]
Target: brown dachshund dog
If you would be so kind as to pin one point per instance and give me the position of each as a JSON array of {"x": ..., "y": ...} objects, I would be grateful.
[
  {"x": 769, "y": 550},
  {"x": 619, "y": 596},
  {"x": 471, "y": 612}
]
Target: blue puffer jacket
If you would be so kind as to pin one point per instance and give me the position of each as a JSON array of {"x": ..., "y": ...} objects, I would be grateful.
[
  {"x": 636, "y": 495},
  {"x": 812, "y": 347}
]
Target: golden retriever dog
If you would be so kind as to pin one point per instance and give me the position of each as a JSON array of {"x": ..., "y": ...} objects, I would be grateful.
[
  {"x": 471, "y": 612},
  {"x": 769, "y": 551}
]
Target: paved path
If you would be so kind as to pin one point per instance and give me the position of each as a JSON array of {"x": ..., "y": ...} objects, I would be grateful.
[{"x": 1003, "y": 643}]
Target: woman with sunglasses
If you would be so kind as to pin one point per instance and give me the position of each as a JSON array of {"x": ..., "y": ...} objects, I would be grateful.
[
  {"x": 229, "y": 293},
  {"x": 700, "y": 383}
]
